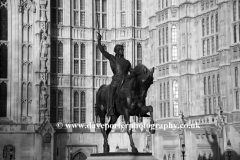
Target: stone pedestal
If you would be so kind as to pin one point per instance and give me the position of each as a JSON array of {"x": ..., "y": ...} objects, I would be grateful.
[{"x": 121, "y": 156}]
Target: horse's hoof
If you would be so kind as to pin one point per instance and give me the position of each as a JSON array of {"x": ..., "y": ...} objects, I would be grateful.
[
  {"x": 152, "y": 131},
  {"x": 134, "y": 150},
  {"x": 105, "y": 148}
]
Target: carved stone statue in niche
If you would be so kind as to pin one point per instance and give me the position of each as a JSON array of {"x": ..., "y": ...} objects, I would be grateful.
[
  {"x": 44, "y": 46},
  {"x": 9, "y": 152},
  {"x": 45, "y": 77},
  {"x": 44, "y": 97}
]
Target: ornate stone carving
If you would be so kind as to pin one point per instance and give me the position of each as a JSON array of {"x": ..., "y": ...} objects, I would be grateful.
[
  {"x": 44, "y": 46},
  {"x": 219, "y": 123},
  {"x": 43, "y": 53},
  {"x": 27, "y": 4}
]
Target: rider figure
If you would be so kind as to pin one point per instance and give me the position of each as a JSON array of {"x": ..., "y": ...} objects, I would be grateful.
[{"x": 120, "y": 68}]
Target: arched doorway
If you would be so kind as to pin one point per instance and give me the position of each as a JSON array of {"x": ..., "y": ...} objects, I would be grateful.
[{"x": 79, "y": 156}]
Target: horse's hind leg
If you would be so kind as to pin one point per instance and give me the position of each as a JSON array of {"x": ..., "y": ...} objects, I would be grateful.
[
  {"x": 129, "y": 130},
  {"x": 102, "y": 128},
  {"x": 113, "y": 120}
]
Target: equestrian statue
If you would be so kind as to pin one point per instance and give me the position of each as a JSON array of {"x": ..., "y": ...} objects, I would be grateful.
[{"x": 125, "y": 95}]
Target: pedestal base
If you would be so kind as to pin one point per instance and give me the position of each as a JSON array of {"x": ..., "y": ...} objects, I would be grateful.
[{"x": 121, "y": 156}]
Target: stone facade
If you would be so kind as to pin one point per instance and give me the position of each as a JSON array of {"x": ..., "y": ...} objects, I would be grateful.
[{"x": 193, "y": 45}]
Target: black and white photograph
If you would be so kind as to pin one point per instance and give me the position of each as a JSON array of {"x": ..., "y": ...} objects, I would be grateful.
[{"x": 119, "y": 79}]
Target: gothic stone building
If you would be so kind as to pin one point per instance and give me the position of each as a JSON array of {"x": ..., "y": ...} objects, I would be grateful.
[{"x": 51, "y": 69}]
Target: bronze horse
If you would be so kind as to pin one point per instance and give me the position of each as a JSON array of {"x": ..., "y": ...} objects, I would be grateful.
[{"x": 130, "y": 102}]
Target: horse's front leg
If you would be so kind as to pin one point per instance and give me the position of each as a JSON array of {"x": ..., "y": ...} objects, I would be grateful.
[
  {"x": 152, "y": 127},
  {"x": 144, "y": 110},
  {"x": 105, "y": 137},
  {"x": 129, "y": 130}
]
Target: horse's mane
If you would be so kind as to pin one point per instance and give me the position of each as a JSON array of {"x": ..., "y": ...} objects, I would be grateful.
[{"x": 140, "y": 69}]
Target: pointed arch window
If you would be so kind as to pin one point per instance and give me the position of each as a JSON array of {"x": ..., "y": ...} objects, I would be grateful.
[
  {"x": 168, "y": 90},
  {"x": 57, "y": 57},
  {"x": 167, "y": 54},
  {"x": 104, "y": 63},
  {"x": 83, "y": 108},
  {"x": 205, "y": 85},
  {"x": 57, "y": 12},
  {"x": 164, "y": 91},
  {"x": 202, "y": 4},
  {"x": 174, "y": 34},
  {"x": 139, "y": 53},
  {"x": 138, "y": 13},
  {"x": 83, "y": 59},
  {"x": 216, "y": 22},
  {"x": 205, "y": 106},
  {"x": 60, "y": 107},
  {"x": 4, "y": 21},
  {"x": 212, "y": 24},
  {"x": 203, "y": 27},
  {"x": 237, "y": 100},
  {"x": 210, "y": 105},
  {"x": 236, "y": 77},
  {"x": 235, "y": 33},
  {"x": 175, "y": 108},
  {"x": 168, "y": 109},
  {"x": 123, "y": 13},
  {"x": 3, "y": 99},
  {"x": 101, "y": 13},
  {"x": 160, "y": 56},
  {"x": 160, "y": 94},
  {"x": 167, "y": 34},
  {"x": 209, "y": 85},
  {"x": 53, "y": 107},
  {"x": 213, "y": 84},
  {"x": 238, "y": 9},
  {"x": 175, "y": 89},
  {"x": 76, "y": 59},
  {"x": 213, "y": 46},
  {"x": 160, "y": 37},
  {"x": 165, "y": 110},
  {"x": 163, "y": 36},
  {"x": 79, "y": 12},
  {"x": 60, "y": 58},
  {"x": 207, "y": 25},
  {"x": 218, "y": 83},
  {"x": 76, "y": 108},
  {"x": 56, "y": 106},
  {"x": 234, "y": 10},
  {"x": 3, "y": 61},
  {"x": 101, "y": 62},
  {"x": 160, "y": 110},
  {"x": 174, "y": 53}
]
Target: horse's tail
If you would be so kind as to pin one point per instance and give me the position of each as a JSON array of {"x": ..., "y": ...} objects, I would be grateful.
[{"x": 98, "y": 100}]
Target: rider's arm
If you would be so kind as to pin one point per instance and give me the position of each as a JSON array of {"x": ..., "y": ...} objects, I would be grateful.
[{"x": 101, "y": 48}]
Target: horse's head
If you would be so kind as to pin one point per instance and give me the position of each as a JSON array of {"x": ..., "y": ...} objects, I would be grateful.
[{"x": 144, "y": 78}]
